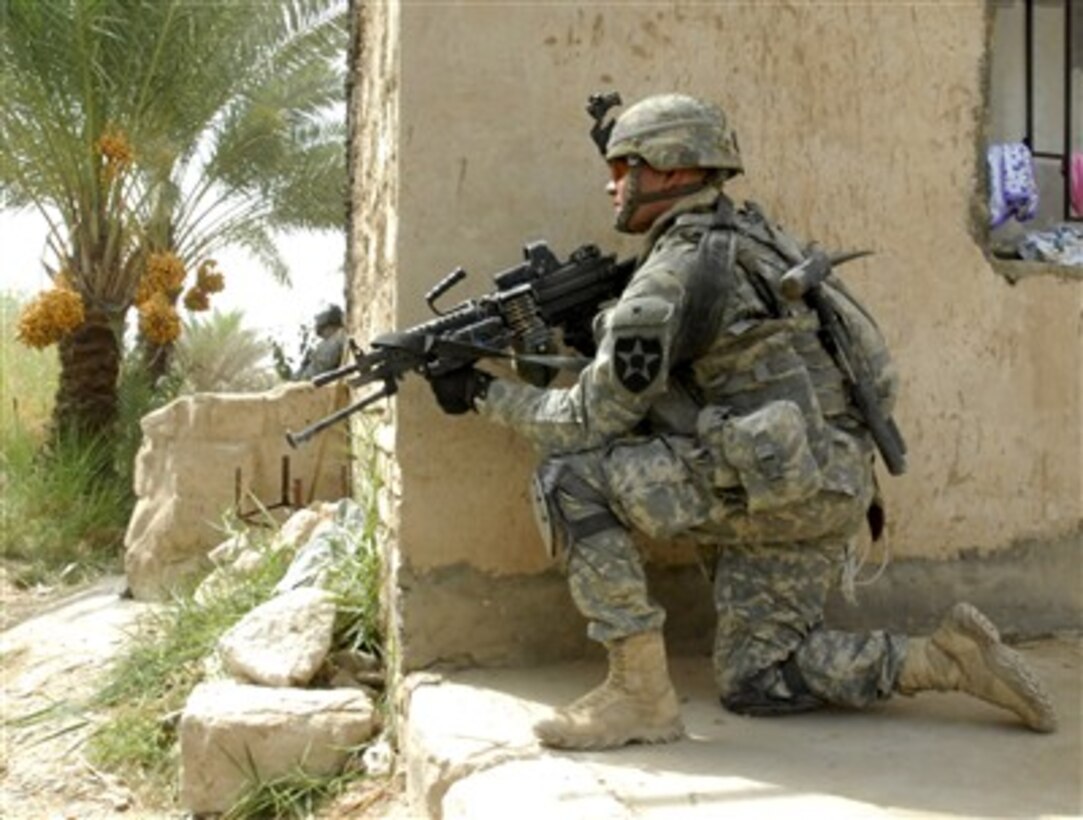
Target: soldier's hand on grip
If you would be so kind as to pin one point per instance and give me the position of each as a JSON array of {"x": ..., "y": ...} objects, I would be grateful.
[{"x": 456, "y": 390}]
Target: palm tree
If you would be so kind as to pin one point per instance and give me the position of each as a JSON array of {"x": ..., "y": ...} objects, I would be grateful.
[
  {"x": 151, "y": 134},
  {"x": 219, "y": 355}
]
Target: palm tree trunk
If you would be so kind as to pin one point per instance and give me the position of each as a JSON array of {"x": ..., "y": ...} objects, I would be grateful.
[
  {"x": 86, "y": 399},
  {"x": 156, "y": 358}
]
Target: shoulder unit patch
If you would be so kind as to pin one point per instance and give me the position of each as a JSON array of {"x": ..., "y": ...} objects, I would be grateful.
[{"x": 637, "y": 361}]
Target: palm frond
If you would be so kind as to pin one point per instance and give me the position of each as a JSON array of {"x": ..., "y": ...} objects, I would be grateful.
[
  {"x": 221, "y": 106},
  {"x": 218, "y": 354}
]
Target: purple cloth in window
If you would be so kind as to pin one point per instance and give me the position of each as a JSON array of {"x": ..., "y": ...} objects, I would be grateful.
[{"x": 1013, "y": 191}]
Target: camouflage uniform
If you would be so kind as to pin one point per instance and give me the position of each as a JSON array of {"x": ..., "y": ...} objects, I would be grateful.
[
  {"x": 706, "y": 415},
  {"x": 327, "y": 353},
  {"x": 712, "y": 410}
]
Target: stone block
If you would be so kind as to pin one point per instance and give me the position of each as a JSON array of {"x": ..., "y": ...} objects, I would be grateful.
[
  {"x": 282, "y": 642},
  {"x": 233, "y": 736}
]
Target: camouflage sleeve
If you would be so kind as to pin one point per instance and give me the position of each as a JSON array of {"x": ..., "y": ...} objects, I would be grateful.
[
  {"x": 327, "y": 355},
  {"x": 629, "y": 372}
]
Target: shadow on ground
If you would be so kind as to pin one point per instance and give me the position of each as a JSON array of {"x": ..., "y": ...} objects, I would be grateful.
[{"x": 468, "y": 750}]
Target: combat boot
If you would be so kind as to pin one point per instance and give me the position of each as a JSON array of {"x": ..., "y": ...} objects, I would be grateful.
[
  {"x": 965, "y": 654},
  {"x": 635, "y": 703}
]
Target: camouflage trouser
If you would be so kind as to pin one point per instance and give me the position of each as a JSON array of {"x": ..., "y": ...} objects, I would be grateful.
[
  {"x": 773, "y": 573},
  {"x": 772, "y": 653}
]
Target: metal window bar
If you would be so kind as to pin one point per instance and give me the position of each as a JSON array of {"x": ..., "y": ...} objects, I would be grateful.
[{"x": 1065, "y": 155}]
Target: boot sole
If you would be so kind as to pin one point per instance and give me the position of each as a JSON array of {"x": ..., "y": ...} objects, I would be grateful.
[
  {"x": 662, "y": 734},
  {"x": 1007, "y": 664}
]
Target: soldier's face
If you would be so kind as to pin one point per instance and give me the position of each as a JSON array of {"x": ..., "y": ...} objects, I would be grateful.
[{"x": 650, "y": 182}]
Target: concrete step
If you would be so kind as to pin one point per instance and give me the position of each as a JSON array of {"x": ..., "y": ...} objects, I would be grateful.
[{"x": 470, "y": 754}]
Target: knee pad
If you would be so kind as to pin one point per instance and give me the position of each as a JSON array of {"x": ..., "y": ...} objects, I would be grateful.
[
  {"x": 559, "y": 529},
  {"x": 777, "y": 690},
  {"x": 543, "y": 516}
]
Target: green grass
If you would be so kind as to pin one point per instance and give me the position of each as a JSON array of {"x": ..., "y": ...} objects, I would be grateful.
[
  {"x": 60, "y": 519},
  {"x": 28, "y": 378},
  {"x": 62, "y": 511},
  {"x": 64, "y": 500},
  {"x": 296, "y": 796},
  {"x": 165, "y": 661},
  {"x": 356, "y": 577}
]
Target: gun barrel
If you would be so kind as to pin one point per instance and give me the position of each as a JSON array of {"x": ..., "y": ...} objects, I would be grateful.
[
  {"x": 328, "y": 376},
  {"x": 885, "y": 433},
  {"x": 319, "y": 426}
]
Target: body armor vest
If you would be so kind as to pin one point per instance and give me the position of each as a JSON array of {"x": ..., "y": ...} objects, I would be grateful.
[{"x": 748, "y": 346}]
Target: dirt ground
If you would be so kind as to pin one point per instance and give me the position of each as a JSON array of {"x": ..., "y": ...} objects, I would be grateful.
[{"x": 54, "y": 646}]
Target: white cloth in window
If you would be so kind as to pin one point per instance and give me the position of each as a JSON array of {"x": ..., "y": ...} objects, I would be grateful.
[{"x": 1060, "y": 245}]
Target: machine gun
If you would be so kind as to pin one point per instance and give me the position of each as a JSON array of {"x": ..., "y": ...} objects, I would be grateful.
[{"x": 531, "y": 302}]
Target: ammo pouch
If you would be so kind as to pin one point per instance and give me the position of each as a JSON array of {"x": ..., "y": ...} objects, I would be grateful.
[{"x": 769, "y": 450}]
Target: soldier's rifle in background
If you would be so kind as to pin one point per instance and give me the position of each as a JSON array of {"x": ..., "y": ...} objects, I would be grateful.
[
  {"x": 531, "y": 302},
  {"x": 806, "y": 281}
]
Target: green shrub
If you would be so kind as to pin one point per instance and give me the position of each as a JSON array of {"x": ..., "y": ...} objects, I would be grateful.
[{"x": 356, "y": 578}]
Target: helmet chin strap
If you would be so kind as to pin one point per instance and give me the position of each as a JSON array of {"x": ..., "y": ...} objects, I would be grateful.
[{"x": 633, "y": 198}]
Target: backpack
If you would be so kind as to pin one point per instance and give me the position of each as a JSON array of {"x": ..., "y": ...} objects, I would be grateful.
[{"x": 869, "y": 370}]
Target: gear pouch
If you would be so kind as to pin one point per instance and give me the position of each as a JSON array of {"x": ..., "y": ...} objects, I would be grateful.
[
  {"x": 770, "y": 451},
  {"x": 654, "y": 488}
]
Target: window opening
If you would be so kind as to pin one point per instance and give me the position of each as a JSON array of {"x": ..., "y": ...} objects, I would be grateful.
[
  {"x": 1034, "y": 154},
  {"x": 1071, "y": 143}
]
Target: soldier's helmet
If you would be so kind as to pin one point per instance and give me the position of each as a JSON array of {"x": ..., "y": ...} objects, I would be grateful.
[
  {"x": 331, "y": 317},
  {"x": 671, "y": 131}
]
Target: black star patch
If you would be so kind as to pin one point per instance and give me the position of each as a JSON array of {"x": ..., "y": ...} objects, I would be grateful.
[{"x": 638, "y": 361}]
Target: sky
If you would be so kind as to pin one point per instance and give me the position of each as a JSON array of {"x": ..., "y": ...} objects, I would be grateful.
[{"x": 314, "y": 259}]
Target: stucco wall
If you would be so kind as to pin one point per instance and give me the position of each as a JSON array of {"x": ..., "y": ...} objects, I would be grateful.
[{"x": 860, "y": 125}]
